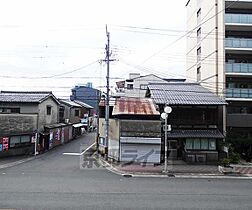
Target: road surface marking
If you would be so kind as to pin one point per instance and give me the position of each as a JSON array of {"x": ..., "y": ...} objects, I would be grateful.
[{"x": 79, "y": 154}]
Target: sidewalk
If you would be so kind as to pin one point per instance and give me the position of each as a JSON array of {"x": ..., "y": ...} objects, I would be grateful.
[
  {"x": 178, "y": 169},
  {"x": 6, "y": 162},
  {"x": 172, "y": 169}
]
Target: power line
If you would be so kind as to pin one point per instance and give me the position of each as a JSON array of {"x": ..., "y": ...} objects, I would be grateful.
[{"x": 184, "y": 35}]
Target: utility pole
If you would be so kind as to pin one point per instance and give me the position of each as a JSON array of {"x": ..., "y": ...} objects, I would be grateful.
[
  {"x": 107, "y": 98},
  {"x": 107, "y": 60}
]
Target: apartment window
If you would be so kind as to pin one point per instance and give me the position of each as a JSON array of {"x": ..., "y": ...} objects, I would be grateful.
[
  {"x": 198, "y": 74},
  {"x": 48, "y": 110},
  {"x": 198, "y": 54},
  {"x": 143, "y": 87},
  {"x": 77, "y": 113},
  {"x": 198, "y": 16},
  {"x": 198, "y": 35}
]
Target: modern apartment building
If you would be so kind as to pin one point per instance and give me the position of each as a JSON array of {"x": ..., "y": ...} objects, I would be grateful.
[{"x": 219, "y": 57}]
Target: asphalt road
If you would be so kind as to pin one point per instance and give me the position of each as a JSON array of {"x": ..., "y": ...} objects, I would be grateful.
[{"x": 56, "y": 181}]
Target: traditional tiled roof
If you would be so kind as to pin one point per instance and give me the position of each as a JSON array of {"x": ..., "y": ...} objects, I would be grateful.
[
  {"x": 69, "y": 103},
  {"x": 183, "y": 94},
  {"x": 195, "y": 134},
  {"x": 134, "y": 106},
  {"x": 25, "y": 96},
  {"x": 83, "y": 104}
]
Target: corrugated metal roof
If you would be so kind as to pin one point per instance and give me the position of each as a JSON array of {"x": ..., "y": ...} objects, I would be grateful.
[
  {"x": 134, "y": 106},
  {"x": 83, "y": 104},
  {"x": 69, "y": 103},
  {"x": 31, "y": 97},
  {"x": 195, "y": 134},
  {"x": 183, "y": 94}
]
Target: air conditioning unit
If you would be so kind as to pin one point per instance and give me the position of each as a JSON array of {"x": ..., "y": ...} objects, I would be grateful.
[{"x": 66, "y": 120}]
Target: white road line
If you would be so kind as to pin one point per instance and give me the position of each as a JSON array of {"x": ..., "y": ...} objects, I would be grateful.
[
  {"x": 72, "y": 153},
  {"x": 79, "y": 154}
]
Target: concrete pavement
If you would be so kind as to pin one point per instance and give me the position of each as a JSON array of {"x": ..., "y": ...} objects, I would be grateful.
[{"x": 57, "y": 181}]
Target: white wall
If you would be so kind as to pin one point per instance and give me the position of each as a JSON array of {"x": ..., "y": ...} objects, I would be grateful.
[{"x": 212, "y": 44}]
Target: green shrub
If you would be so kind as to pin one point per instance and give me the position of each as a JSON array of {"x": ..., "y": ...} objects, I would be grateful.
[
  {"x": 234, "y": 157},
  {"x": 225, "y": 161}
]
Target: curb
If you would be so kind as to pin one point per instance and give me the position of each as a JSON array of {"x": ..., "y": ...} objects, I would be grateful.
[
  {"x": 8, "y": 165},
  {"x": 114, "y": 170}
]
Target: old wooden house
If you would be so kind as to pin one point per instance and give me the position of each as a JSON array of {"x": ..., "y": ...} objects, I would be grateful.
[
  {"x": 197, "y": 125},
  {"x": 135, "y": 131},
  {"x": 23, "y": 116}
]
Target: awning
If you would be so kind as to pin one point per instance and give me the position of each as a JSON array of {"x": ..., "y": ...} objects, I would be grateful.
[
  {"x": 78, "y": 125},
  {"x": 195, "y": 134}
]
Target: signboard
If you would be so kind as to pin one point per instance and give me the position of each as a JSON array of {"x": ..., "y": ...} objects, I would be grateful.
[
  {"x": 51, "y": 140},
  {"x": 5, "y": 143},
  {"x": 57, "y": 134},
  {"x": 62, "y": 135},
  {"x": 1, "y": 145}
]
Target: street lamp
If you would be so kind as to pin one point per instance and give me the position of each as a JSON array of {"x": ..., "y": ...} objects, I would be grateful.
[{"x": 164, "y": 115}]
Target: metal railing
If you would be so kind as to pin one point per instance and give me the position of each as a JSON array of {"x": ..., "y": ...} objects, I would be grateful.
[
  {"x": 238, "y": 43},
  {"x": 238, "y": 93},
  {"x": 238, "y": 67},
  {"x": 238, "y": 18}
]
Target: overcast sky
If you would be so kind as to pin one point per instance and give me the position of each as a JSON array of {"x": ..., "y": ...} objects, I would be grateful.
[{"x": 65, "y": 39}]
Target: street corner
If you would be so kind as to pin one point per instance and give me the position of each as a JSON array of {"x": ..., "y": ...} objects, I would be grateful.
[{"x": 89, "y": 159}]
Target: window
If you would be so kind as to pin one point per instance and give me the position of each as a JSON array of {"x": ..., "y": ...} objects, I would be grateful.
[
  {"x": 102, "y": 141},
  {"x": 76, "y": 113},
  {"x": 129, "y": 86},
  {"x": 201, "y": 144},
  {"x": 14, "y": 140},
  {"x": 143, "y": 87},
  {"x": 61, "y": 114},
  {"x": 189, "y": 143},
  {"x": 25, "y": 139},
  {"x": 198, "y": 16},
  {"x": 198, "y": 54},
  {"x": 199, "y": 34},
  {"x": 196, "y": 144},
  {"x": 198, "y": 74},
  {"x": 204, "y": 144},
  {"x": 17, "y": 141},
  {"x": 9, "y": 110},
  {"x": 212, "y": 144},
  {"x": 48, "y": 110}
]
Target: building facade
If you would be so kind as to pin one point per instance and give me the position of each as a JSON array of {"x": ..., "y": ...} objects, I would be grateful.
[
  {"x": 136, "y": 85},
  {"x": 135, "y": 131},
  {"x": 196, "y": 123},
  {"x": 88, "y": 95},
  {"x": 219, "y": 57},
  {"x": 23, "y": 116}
]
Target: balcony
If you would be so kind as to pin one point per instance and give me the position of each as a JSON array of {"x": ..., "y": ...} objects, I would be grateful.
[
  {"x": 238, "y": 67},
  {"x": 238, "y": 43},
  {"x": 245, "y": 93},
  {"x": 238, "y": 18}
]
